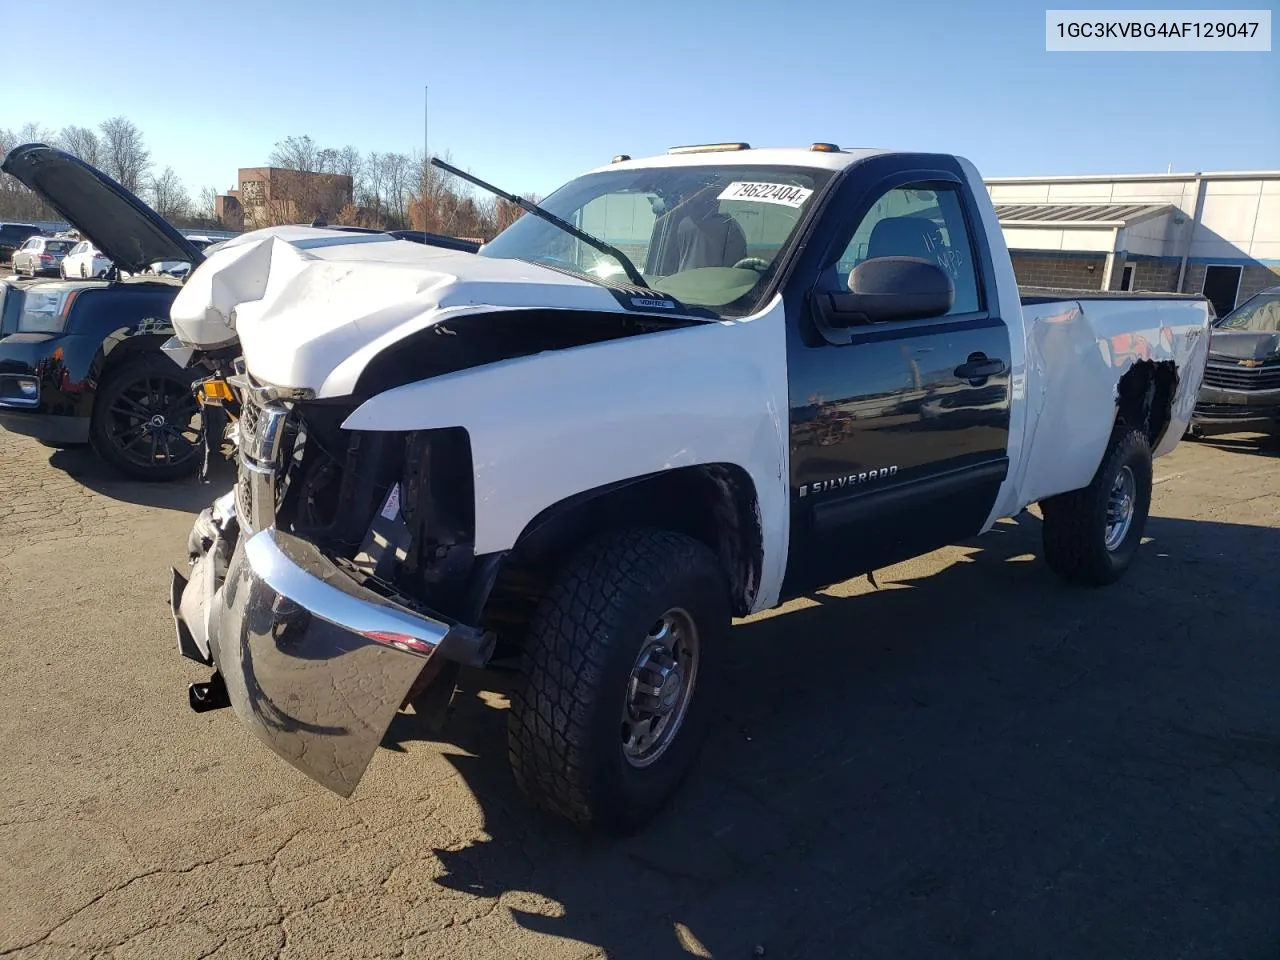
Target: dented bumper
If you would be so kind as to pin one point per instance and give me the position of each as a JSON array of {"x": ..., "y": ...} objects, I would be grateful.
[{"x": 314, "y": 664}]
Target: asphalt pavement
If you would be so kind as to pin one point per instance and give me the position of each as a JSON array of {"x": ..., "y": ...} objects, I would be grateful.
[{"x": 970, "y": 760}]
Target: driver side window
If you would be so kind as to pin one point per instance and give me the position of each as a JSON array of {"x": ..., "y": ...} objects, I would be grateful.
[{"x": 917, "y": 222}]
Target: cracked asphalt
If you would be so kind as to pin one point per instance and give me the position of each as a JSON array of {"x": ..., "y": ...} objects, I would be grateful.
[{"x": 969, "y": 760}]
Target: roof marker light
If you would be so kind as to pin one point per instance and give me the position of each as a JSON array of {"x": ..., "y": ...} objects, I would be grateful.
[
  {"x": 710, "y": 147},
  {"x": 825, "y": 148}
]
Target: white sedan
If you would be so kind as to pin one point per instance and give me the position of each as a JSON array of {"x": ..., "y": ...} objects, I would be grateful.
[
  {"x": 180, "y": 268},
  {"x": 84, "y": 261}
]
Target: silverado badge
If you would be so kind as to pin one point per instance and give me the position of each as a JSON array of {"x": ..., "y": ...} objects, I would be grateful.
[{"x": 849, "y": 480}]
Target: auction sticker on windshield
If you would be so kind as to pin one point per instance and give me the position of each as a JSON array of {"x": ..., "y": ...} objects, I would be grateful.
[{"x": 783, "y": 193}]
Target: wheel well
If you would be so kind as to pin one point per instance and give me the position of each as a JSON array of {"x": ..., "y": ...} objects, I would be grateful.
[
  {"x": 713, "y": 503},
  {"x": 118, "y": 351},
  {"x": 1144, "y": 397}
]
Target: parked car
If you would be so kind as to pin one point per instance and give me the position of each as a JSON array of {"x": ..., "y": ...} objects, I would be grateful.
[
  {"x": 180, "y": 268},
  {"x": 80, "y": 360},
  {"x": 40, "y": 256},
  {"x": 1241, "y": 389},
  {"x": 14, "y": 235},
  {"x": 85, "y": 261},
  {"x": 583, "y": 456}
]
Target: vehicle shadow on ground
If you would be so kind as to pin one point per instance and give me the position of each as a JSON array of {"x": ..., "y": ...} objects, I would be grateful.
[
  {"x": 981, "y": 762},
  {"x": 187, "y": 494},
  {"x": 1263, "y": 444}
]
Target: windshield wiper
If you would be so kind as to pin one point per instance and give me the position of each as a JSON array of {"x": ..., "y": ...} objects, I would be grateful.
[{"x": 528, "y": 207}]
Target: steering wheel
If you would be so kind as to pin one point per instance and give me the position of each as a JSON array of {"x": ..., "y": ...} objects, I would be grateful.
[{"x": 752, "y": 263}]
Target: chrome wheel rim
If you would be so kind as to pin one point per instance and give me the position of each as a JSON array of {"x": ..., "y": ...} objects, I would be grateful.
[
  {"x": 1120, "y": 506},
  {"x": 660, "y": 688}
]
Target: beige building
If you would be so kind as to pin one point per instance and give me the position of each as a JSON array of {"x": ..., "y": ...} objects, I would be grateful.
[
  {"x": 1211, "y": 233},
  {"x": 269, "y": 196}
]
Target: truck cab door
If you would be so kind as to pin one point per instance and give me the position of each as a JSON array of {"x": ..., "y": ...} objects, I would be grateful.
[{"x": 898, "y": 430}]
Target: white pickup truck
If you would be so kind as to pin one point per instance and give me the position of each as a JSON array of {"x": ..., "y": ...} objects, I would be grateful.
[{"x": 685, "y": 389}]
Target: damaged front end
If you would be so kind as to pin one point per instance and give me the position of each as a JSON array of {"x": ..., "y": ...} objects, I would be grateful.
[{"x": 292, "y": 594}]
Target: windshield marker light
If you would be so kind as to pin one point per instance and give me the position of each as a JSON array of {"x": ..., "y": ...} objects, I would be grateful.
[{"x": 709, "y": 147}]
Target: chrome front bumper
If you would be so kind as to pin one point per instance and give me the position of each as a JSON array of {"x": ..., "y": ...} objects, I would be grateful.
[{"x": 314, "y": 664}]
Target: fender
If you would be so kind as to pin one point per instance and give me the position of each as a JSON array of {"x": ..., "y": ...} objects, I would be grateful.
[{"x": 546, "y": 427}]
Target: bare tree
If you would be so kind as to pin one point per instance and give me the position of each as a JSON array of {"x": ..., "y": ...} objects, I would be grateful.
[
  {"x": 80, "y": 142},
  {"x": 168, "y": 195},
  {"x": 505, "y": 213},
  {"x": 327, "y": 160},
  {"x": 124, "y": 155},
  {"x": 373, "y": 186},
  {"x": 350, "y": 163},
  {"x": 33, "y": 132},
  {"x": 397, "y": 171},
  {"x": 207, "y": 203},
  {"x": 16, "y": 201},
  {"x": 295, "y": 153}
]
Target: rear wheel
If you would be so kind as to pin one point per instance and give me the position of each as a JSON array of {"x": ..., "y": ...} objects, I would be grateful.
[
  {"x": 619, "y": 671},
  {"x": 146, "y": 420},
  {"x": 1092, "y": 535}
]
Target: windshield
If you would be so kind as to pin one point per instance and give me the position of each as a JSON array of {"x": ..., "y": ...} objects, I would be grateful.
[
  {"x": 57, "y": 246},
  {"x": 1259, "y": 315},
  {"x": 710, "y": 236}
]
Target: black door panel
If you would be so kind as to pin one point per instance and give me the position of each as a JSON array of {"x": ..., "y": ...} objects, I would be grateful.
[
  {"x": 862, "y": 532},
  {"x": 867, "y": 405},
  {"x": 899, "y": 431}
]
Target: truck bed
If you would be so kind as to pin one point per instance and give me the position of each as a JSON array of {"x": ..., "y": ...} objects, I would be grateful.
[{"x": 1033, "y": 295}]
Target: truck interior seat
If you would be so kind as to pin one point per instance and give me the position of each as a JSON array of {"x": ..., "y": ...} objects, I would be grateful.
[
  {"x": 905, "y": 237},
  {"x": 716, "y": 240}
]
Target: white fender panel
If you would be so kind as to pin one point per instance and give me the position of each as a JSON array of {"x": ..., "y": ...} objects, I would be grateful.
[{"x": 546, "y": 427}]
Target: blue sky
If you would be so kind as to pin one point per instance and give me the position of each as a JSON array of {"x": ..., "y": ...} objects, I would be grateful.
[{"x": 529, "y": 94}]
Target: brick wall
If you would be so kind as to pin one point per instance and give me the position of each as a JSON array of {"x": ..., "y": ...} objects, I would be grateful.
[
  {"x": 1257, "y": 278},
  {"x": 1160, "y": 276},
  {"x": 1194, "y": 280},
  {"x": 1252, "y": 279},
  {"x": 1068, "y": 273}
]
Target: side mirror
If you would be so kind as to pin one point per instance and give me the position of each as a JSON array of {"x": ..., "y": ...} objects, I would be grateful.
[{"x": 885, "y": 289}]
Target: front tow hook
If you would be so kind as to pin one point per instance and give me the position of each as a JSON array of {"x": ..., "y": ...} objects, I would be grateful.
[{"x": 208, "y": 696}]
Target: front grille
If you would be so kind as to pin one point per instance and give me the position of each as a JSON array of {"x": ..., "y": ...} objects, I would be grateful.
[
  {"x": 259, "y": 440},
  {"x": 244, "y": 500},
  {"x": 1232, "y": 376},
  {"x": 249, "y": 415}
]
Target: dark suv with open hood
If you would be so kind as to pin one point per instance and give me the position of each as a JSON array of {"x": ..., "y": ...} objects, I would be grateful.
[
  {"x": 1241, "y": 388},
  {"x": 80, "y": 361}
]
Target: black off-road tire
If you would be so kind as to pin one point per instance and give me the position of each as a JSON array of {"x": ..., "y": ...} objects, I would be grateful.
[
  {"x": 155, "y": 366},
  {"x": 1075, "y": 523},
  {"x": 564, "y": 729}
]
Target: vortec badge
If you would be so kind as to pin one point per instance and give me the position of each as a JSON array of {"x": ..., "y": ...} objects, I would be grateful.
[{"x": 849, "y": 480}]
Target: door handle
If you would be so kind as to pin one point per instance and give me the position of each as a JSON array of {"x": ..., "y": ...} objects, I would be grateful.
[{"x": 979, "y": 367}]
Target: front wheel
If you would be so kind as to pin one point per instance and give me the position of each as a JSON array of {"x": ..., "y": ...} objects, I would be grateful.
[
  {"x": 1092, "y": 535},
  {"x": 146, "y": 420},
  {"x": 619, "y": 670}
]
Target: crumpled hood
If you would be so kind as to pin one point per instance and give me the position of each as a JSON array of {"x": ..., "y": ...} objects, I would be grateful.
[
  {"x": 1243, "y": 344},
  {"x": 312, "y": 306}
]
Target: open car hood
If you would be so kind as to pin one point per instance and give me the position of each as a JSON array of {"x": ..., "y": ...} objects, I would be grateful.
[{"x": 122, "y": 227}]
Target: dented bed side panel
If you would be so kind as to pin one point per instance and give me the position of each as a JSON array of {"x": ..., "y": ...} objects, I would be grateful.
[{"x": 1076, "y": 353}]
